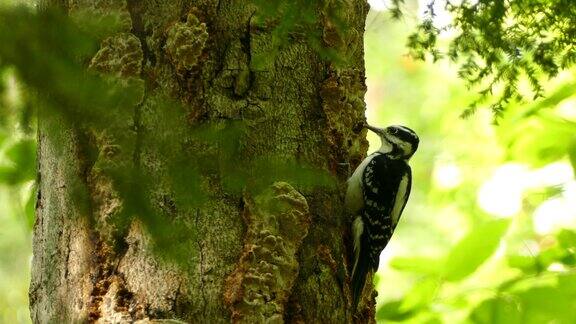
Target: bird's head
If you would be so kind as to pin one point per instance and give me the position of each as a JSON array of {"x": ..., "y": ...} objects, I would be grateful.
[{"x": 399, "y": 141}]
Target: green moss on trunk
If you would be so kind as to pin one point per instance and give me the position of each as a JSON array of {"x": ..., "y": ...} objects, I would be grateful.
[{"x": 298, "y": 99}]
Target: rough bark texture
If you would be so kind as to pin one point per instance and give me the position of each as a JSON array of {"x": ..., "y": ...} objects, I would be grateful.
[{"x": 272, "y": 257}]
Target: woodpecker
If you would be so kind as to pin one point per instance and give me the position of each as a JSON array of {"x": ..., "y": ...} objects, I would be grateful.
[{"x": 376, "y": 195}]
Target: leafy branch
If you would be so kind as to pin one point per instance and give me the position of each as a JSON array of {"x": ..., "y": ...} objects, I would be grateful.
[{"x": 498, "y": 44}]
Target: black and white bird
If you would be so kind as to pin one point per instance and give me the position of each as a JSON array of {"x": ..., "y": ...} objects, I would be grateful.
[{"x": 376, "y": 195}]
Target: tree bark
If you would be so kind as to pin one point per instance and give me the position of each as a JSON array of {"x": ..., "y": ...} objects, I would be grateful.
[{"x": 275, "y": 255}]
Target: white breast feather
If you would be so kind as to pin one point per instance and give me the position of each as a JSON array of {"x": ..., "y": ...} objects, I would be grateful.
[{"x": 354, "y": 194}]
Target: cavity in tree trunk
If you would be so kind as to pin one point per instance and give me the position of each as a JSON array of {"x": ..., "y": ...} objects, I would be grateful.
[{"x": 273, "y": 254}]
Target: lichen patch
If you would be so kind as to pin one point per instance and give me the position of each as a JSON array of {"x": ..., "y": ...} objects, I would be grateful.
[
  {"x": 120, "y": 55},
  {"x": 258, "y": 289},
  {"x": 185, "y": 42}
]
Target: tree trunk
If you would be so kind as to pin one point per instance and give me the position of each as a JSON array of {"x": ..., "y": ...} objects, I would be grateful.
[{"x": 278, "y": 254}]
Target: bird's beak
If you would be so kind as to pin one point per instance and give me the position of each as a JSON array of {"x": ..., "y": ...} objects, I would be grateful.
[{"x": 374, "y": 129}]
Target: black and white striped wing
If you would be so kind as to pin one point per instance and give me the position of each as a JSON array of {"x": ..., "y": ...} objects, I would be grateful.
[{"x": 386, "y": 190}]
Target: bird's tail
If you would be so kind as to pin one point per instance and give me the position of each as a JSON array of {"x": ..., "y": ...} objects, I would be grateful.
[{"x": 359, "y": 273}]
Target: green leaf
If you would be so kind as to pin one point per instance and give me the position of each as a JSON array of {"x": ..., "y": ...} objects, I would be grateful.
[
  {"x": 568, "y": 283},
  {"x": 22, "y": 152},
  {"x": 3, "y": 134},
  {"x": 22, "y": 158},
  {"x": 417, "y": 264},
  {"x": 528, "y": 264},
  {"x": 572, "y": 154},
  {"x": 552, "y": 100},
  {"x": 7, "y": 174},
  {"x": 501, "y": 309},
  {"x": 475, "y": 248},
  {"x": 540, "y": 140},
  {"x": 421, "y": 295},
  {"x": 548, "y": 304},
  {"x": 391, "y": 312},
  {"x": 567, "y": 240}
]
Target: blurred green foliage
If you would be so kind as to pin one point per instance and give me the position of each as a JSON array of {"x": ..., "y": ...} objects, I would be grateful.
[
  {"x": 17, "y": 197},
  {"x": 458, "y": 255},
  {"x": 17, "y": 200},
  {"x": 488, "y": 235}
]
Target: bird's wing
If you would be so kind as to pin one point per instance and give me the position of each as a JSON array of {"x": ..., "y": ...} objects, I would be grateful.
[{"x": 386, "y": 188}]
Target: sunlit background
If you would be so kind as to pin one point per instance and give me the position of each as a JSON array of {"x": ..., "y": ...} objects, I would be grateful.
[
  {"x": 489, "y": 234},
  {"x": 16, "y": 211}
]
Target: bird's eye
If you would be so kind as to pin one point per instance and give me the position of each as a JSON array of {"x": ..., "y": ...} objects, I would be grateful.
[{"x": 394, "y": 131}]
